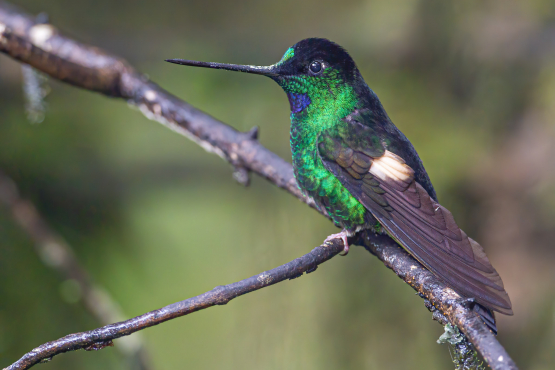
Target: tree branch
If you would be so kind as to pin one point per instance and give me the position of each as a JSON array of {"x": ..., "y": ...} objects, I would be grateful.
[
  {"x": 44, "y": 48},
  {"x": 102, "y": 337},
  {"x": 59, "y": 256}
]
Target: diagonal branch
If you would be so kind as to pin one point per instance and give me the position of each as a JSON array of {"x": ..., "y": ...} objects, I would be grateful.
[
  {"x": 44, "y": 48},
  {"x": 59, "y": 256},
  {"x": 102, "y": 337}
]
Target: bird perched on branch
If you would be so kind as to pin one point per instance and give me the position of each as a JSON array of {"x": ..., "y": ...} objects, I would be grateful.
[{"x": 355, "y": 163}]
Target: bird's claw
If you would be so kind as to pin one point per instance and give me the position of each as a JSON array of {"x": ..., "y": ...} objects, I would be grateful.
[
  {"x": 467, "y": 302},
  {"x": 343, "y": 236}
]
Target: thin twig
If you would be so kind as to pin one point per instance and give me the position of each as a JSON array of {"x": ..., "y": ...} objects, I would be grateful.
[
  {"x": 221, "y": 295},
  {"x": 58, "y": 255},
  {"x": 44, "y": 48}
]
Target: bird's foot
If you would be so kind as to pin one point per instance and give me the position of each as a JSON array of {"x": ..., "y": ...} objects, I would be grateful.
[
  {"x": 467, "y": 302},
  {"x": 343, "y": 236}
]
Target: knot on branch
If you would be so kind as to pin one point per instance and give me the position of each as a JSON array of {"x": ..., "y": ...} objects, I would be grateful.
[
  {"x": 265, "y": 279},
  {"x": 436, "y": 314},
  {"x": 252, "y": 134},
  {"x": 312, "y": 269},
  {"x": 241, "y": 173},
  {"x": 220, "y": 296},
  {"x": 97, "y": 346}
]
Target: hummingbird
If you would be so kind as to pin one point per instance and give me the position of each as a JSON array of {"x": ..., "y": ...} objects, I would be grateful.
[{"x": 361, "y": 170}]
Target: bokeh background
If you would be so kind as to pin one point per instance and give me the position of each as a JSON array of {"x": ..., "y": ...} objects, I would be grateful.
[{"x": 155, "y": 219}]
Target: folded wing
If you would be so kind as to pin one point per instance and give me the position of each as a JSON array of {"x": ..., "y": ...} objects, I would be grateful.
[{"x": 385, "y": 185}]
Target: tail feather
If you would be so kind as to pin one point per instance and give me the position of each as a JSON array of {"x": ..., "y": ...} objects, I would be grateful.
[{"x": 487, "y": 315}]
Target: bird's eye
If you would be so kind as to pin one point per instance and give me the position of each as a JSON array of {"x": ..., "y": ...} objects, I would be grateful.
[{"x": 315, "y": 67}]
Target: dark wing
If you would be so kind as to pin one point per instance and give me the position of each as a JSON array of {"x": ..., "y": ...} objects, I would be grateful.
[{"x": 385, "y": 185}]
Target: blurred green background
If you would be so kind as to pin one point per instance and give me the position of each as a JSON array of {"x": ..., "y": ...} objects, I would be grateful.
[{"x": 155, "y": 219}]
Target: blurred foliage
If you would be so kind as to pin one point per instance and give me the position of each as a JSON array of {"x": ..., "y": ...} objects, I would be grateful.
[{"x": 155, "y": 219}]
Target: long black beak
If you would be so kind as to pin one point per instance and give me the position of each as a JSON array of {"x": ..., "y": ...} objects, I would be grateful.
[{"x": 266, "y": 71}]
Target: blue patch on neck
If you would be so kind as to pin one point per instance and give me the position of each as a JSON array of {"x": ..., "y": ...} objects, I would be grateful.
[{"x": 298, "y": 102}]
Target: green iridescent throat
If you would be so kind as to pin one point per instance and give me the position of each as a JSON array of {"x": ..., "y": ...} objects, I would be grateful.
[{"x": 332, "y": 99}]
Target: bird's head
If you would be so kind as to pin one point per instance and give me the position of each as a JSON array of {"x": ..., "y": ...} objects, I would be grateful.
[{"x": 312, "y": 70}]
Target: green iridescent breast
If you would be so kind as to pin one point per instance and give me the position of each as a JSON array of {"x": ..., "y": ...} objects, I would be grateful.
[{"x": 326, "y": 111}]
